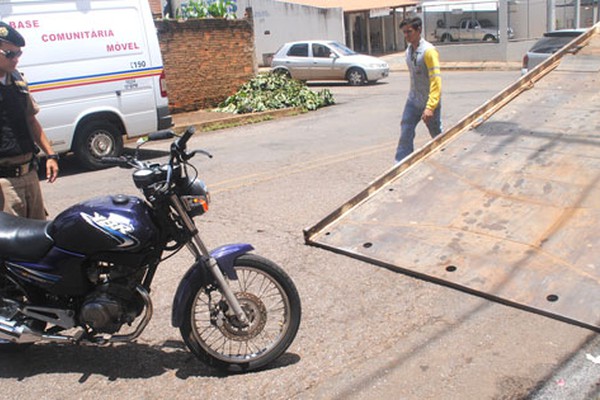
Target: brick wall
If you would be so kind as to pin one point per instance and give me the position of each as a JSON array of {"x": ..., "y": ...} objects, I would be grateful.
[
  {"x": 205, "y": 60},
  {"x": 156, "y": 8}
]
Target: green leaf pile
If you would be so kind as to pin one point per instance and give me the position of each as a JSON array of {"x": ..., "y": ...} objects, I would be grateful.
[
  {"x": 273, "y": 91},
  {"x": 198, "y": 9}
]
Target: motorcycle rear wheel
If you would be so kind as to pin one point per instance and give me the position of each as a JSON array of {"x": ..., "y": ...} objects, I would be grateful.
[{"x": 271, "y": 302}]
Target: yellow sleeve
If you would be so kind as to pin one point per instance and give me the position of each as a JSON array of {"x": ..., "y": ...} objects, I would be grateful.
[{"x": 432, "y": 60}]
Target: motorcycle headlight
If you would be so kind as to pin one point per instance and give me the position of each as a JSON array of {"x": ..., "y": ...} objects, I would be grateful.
[{"x": 195, "y": 197}]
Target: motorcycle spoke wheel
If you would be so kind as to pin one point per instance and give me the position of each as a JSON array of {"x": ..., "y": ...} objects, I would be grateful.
[{"x": 272, "y": 305}]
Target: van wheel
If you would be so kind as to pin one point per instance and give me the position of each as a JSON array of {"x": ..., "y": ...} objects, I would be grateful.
[{"x": 95, "y": 140}]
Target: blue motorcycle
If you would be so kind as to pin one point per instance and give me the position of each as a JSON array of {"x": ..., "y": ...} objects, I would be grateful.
[{"x": 86, "y": 275}]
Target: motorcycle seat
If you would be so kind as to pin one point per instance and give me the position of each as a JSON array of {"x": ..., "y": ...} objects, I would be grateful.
[{"x": 23, "y": 238}]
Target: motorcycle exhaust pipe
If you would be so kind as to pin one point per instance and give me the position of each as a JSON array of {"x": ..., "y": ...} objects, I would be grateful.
[
  {"x": 9, "y": 330},
  {"x": 21, "y": 334}
]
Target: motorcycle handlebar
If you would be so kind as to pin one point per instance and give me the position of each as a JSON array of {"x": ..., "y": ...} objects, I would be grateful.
[
  {"x": 177, "y": 150},
  {"x": 161, "y": 135},
  {"x": 121, "y": 162},
  {"x": 180, "y": 143}
]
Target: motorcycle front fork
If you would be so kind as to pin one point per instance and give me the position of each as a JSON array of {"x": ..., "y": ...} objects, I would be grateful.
[{"x": 199, "y": 250}]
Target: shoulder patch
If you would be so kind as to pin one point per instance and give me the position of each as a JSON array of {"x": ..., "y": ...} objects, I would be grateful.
[{"x": 20, "y": 82}]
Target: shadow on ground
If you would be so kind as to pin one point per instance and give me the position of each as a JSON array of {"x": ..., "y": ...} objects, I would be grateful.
[{"x": 119, "y": 361}]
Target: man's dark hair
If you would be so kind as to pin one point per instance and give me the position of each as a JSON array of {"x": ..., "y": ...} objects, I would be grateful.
[{"x": 416, "y": 23}]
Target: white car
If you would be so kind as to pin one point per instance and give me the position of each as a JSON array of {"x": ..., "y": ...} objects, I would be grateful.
[
  {"x": 326, "y": 60},
  {"x": 549, "y": 44}
]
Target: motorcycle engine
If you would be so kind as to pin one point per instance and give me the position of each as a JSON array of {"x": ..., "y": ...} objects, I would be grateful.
[{"x": 111, "y": 305}]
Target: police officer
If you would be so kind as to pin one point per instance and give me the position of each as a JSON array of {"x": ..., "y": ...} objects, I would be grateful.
[{"x": 20, "y": 136}]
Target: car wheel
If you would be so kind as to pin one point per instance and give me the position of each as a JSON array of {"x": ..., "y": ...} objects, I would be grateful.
[
  {"x": 95, "y": 140},
  {"x": 282, "y": 72},
  {"x": 356, "y": 77},
  {"x": 489, "y": 38},
  {"x": 446, "y": 38}
]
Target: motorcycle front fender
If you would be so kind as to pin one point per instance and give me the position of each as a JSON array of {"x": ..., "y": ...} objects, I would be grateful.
[{"x": 199, "y": 272}]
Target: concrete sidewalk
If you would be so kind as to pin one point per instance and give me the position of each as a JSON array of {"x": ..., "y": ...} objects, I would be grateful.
[
  {"x": 207, "y": 120},
  {"x": 397, "y": 62}
]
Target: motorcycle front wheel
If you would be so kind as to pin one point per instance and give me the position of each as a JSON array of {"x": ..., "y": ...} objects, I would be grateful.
[{"x": 272, "y": 304}]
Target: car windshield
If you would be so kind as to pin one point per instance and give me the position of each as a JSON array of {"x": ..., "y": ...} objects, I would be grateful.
[{"x": 341, "y": 49}]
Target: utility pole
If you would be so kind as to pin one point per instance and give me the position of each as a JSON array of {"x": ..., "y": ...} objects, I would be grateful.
[{"x": 551, "y": 15}]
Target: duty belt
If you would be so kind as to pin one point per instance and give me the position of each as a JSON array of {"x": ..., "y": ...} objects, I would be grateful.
[{"x": 14, "y": 171}]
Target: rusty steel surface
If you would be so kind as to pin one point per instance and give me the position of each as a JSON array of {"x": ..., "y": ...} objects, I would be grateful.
[{"x": 508, "y": 209}]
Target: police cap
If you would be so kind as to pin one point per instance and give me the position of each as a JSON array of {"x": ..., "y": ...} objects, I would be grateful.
[{"x": 10, "y": 34}]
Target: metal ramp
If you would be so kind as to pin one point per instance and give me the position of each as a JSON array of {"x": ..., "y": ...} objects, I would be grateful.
[{"x": 505, "y": 205}]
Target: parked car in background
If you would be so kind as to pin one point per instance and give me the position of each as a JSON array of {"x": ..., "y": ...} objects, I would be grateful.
[
  {"x": 549, "y": 44},
  {"x": 326, "y": 60},
  {"x": 469, "y": 29}
]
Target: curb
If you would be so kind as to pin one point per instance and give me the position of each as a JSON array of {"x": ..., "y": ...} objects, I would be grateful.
[
  {"x": 475, "y": 66},
  {"x": 229, "y": 120},
  {"x": 467, "y": 67}
]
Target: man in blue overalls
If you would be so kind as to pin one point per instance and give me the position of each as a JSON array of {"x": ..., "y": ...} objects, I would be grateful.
[
  {"x": 20, "y": 132},
  {"x": 424, "y": 98}
]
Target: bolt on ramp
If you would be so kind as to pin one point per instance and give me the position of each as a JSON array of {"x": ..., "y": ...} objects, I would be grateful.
[{"x": 505, "y": 205}]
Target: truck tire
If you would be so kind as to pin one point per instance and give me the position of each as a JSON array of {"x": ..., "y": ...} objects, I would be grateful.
[
  {"x": 489, "y": 38},
  {"x": 446, "y": 37},
  {"x": 97, "y": 139}
]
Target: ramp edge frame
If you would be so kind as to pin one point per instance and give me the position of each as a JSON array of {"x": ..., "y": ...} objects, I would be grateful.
[{"x": 471, "y": 121}]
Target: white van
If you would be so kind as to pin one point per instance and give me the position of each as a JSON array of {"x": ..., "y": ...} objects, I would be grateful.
[{"x": 95, "y": 69}]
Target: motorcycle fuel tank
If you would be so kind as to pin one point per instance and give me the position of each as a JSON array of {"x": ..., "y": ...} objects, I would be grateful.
[{"x": 104, "y": 224}]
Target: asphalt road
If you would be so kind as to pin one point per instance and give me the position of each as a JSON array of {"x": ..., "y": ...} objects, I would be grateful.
[{"x": 367, "y": 332}]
